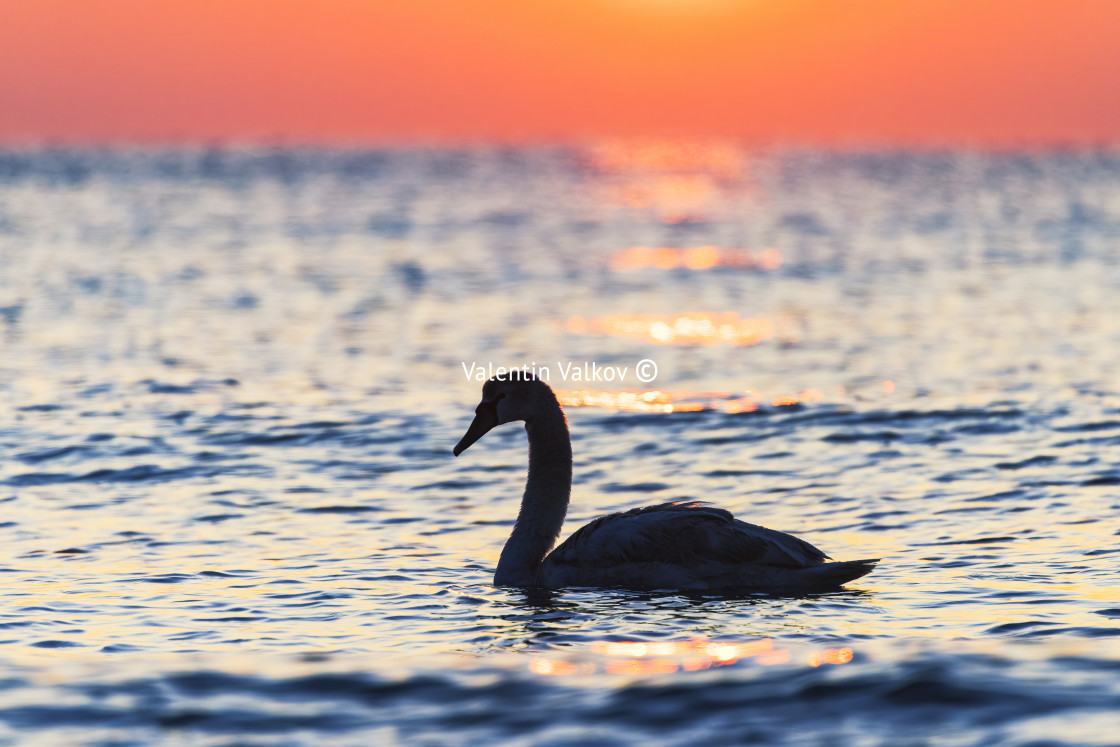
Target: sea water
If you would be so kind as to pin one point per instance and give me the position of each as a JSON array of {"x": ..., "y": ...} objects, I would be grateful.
[{"x": 231, "y": 378}]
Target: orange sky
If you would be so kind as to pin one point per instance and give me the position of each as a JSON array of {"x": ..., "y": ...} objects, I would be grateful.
[{"x": 880, "y": 71}]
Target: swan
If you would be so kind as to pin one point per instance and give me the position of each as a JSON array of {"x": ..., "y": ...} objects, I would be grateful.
[{"x": 668, "y": 546}]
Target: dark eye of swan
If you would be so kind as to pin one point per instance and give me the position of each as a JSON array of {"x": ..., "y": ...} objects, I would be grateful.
[{"x": 490, "y": 404}]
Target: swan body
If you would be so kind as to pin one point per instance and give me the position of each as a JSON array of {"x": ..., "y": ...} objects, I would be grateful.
[{"x": 667, "y": 546}]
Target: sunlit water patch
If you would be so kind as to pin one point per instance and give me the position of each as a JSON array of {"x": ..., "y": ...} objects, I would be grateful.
[{"x": 230, "y": 381}]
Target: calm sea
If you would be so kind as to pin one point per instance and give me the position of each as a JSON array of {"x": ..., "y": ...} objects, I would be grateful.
[{"x": 230, "y": 381}]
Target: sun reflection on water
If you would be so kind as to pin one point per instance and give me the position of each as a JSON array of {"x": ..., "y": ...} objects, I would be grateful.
[
  {"x": 698, "y": 328},
  {"x": 677, "y": 180},
  {"x": 693, "y": 258},
  {"x": 670, "y": 657},
  {"x": 657, "y": 400},
  {"x": 651, "y": 401},
  {"x": 668, "y": 155}
]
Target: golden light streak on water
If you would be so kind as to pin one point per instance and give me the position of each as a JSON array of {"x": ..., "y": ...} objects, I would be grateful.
[
  {"x": 743, "y": 404},
  {"x": 830, "y": 656},
  {"x": 728, "y": 653},
  {"x": 546, "y": 667},
  {"x": 774, "y": 658},
  {"x": 699, "y": 328},
  {"x": 632, "y": 666},
  {"x": 693, "y": 258},
  {"x": 675, "y": 198},
  {"x": 667, "y": 657},
  {"x": 651, "y": 401},
  {"x": 808, "y": 396},
  {"x": 657, "y": 400}
]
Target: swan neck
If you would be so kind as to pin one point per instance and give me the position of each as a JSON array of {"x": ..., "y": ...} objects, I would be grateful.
[{"x": 544, "y": 503}]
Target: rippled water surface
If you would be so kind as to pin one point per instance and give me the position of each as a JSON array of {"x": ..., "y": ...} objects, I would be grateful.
[{"x": 230, "y": 381}]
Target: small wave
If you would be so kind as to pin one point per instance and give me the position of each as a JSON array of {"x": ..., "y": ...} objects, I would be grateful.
[
  {"x": 144, "y": 472},
  {"x": 218, "y": 518},
  {"x": 744, "y": 473},
  {"x": 34, "y": 457},
  {"x": 165, "y": 578},
  {"x": 460, "y": 484},
  {"x": 1036, "y": 461},
  {"x": 1103, "y": 425},
  {"x": 41, "y": 408},
  {"x": 637, "y": 487},
  {"x": 338, "y": 509},
  {"x": 253, "y": 439},
  {"x": 139, "y": 473},
  {"x": 885, "y": 436},
  {"x": 159, "y": 387},
  {"x": 977, "y": 541}
]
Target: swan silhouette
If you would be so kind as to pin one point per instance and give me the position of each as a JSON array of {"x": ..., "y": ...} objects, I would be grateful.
[{"x": 668, "y": 546}]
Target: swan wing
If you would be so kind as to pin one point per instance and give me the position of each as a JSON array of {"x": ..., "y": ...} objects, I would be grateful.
[{"x": 683, "y": 542}]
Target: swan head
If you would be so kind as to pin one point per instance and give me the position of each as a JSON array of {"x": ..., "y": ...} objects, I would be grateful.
[{"x": 505, "y": 399}]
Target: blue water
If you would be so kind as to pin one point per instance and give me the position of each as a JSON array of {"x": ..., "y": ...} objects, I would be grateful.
[{"x": 230, "y": 380}]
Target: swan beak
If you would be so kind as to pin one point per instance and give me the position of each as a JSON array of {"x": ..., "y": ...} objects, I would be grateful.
[{"x": 485, "y": 418}]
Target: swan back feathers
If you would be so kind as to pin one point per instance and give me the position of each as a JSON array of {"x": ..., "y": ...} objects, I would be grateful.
[{"x": 703, "y": 539}]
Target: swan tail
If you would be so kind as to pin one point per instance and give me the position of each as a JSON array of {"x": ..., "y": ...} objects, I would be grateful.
[{"x": 840, "y": 573}]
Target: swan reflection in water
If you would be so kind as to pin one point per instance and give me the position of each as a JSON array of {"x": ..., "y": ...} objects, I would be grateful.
[
  {"x": 560, "y": 620},
  {"x": 667, "y": 546}
]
